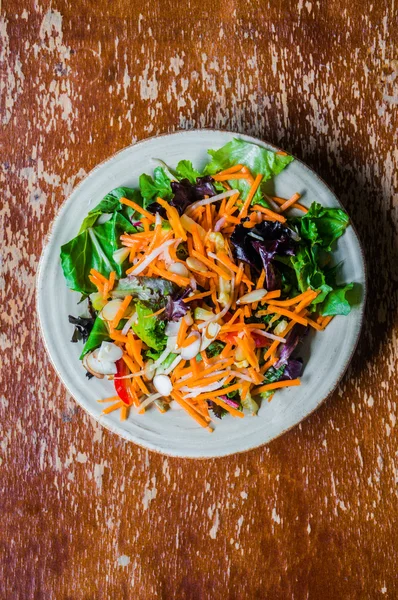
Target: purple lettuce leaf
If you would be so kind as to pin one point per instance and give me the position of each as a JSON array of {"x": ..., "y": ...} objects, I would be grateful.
[
  {"x": 293, "y": 369},
  {"x": 175, "y": 307},
  {"x": 293, "y": 338},
  {"x": 230, "y": 401},
  {"x": 259, "y": 245},
  {"x": 185, "y": 194}
]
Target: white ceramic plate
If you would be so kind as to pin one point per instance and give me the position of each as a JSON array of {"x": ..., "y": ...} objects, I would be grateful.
[{"x": 327, "y": 354}]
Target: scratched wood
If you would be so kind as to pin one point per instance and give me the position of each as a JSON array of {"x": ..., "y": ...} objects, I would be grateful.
[{"x": 88, "y": 516}]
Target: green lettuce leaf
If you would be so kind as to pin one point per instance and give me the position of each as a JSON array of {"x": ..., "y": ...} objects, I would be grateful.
[
  {"x": 159, "y": 185},
  {"x": 111, "y": 203},
  {"x": 93, "y": 249},
  {"x": 149, "y": 330},
  {"x": 270, "y": 376},
  {"x": 256, "y": 158},
  {"x": 322, "y": 226},
  {"x": 98, "y": 334},
  {"x": 336, "y": 302},
  {"x": 152, "y": 291},
  {"x": 185, "y": 170}
]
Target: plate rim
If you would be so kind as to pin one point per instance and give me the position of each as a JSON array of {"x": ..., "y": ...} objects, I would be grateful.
[{"x": 44, "y": 257}]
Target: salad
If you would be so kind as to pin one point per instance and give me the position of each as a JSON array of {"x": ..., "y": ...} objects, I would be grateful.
[{"x": 199, "y": 286}]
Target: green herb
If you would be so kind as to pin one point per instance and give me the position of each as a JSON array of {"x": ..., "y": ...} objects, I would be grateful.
[{"x": 215, "y": 349}]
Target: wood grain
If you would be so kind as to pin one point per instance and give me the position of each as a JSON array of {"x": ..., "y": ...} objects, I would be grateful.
[{"x": 88, "y": 516}]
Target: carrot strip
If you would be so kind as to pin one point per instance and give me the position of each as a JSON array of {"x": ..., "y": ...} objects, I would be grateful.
[
  {"x": 250, "y": 196},
  {"x": 292, "y": 301},
  {"x": 326, "y": 321},
  {"x": 290, "y": 202},
  {"x": 281, "y": 201},
  {"x": 181, "y": 332},
  {"x": 269, "y": 213},
  {"x": 306, "y": 302},
  {"x": 233, "y": 169},
  {"x": 121, "y": 311},
  {"x": 124, "y": 411},
  {"x": 233, "y": 411},
  {"x": 138, "y": 209},
  {"x": 188, "y": 341},
  {"x": 98, "y": 276},
  {"x": 117, "y": 337},
  {"x": 276, "y": 385},
  {"x": 211, "y": 265},
  {"x": 112, "y": 278},
  {"x": 231, "y": 176},
  {"x": 211, "y": 395},
  {"x": 110, "y": 409},
  {"x": 178, "y": 279},
  {"x": 132, "y": 365},
  {"x": 110, "y": 399},
  {"x": 282, "y": 311},
  {"x": 155, "y": 314},
  {"x": 197, "y": 296},
  {"x": 227, "y": 349},
  {"x": 190, "y": 410}
]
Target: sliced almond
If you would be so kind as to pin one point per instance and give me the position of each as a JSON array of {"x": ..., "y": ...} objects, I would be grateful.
[
  {"x": 254, "y": 296},
  {"x": 195, "y": 265}
]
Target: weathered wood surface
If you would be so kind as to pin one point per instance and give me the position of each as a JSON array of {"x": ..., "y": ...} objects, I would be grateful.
[{"x": 85, "y": 515}]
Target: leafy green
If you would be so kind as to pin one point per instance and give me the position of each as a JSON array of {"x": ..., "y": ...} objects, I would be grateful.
[
  {"x": 149, "y": 330},
  {"x": 321, "y": 225},
  {"x": 309, "y": 275},
  {"x": 111, "y": 203},
  {"x": 336, "y": 302},
  {"x": 152, "y": 291},
  {"x": 185, "y": 170},
  {"x": 159, "y": 185},
  {"x": 215, "y": 349},
  {"x": 270, "y": 376},
  {"x": 256, "y": 158},
  {"x": 98, "y": 334},
  {"x": 93, "y": 249}
]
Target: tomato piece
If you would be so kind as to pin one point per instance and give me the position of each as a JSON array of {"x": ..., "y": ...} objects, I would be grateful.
[
  {"x": 261, "y": 341},
  {"x": 230, "y": 337},
  {"x": 122, "y": 385}
]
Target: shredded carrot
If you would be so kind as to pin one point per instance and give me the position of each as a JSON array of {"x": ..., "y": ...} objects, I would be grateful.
[
  {"x": 250, "y": 196},
  {"x": 281, "y": 201},
  {"x": 121, "y": 311},
  {"x": 230, "y": 170},
  {"x": 306, "y": 301},
  {"x": 227, "y": 349},
  {"x": 132, "y": 365},
  {"x": 117, "y": 337},
  {"x": 276, "y": 385},
  {"x": 292, "y": 301},
  {"x": 136, "y": 348},
  {"x": 98, "y": 276},
  {"x": 194, "y": 366},
  {"x": 124, "y": 411},
  {"x": 197, "y": 241},
  {"x": 138, "y": 209},
  {"x": 178, "y": 279},
  {"x": 181, "y": 332},
  {"x": 115, "y": 406},
  {"x": 211, "y": 395},
  {"x": 290, "y": 202},
  {"x": 326, "y": 321},
  {"x": 233, "y": 411},
  {"x": 269, "y": 213},
  {"x": 174, "y": 218},
  {"x": 190, "y": 410},
  {"x": 105, "y": 291},
  {"x": 231, "y": 176},
  {"x": 211, "y": 265},
  {"x": 110, "y": 399},
  {"x": 188, "y": 341},
  {"x": 112, "y": 277},
  {"x": 197, "y": 297},
  {"x": 282, "y": 311}
]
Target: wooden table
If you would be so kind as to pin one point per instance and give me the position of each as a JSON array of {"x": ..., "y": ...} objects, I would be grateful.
[{"x": 88, "y": 516}]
